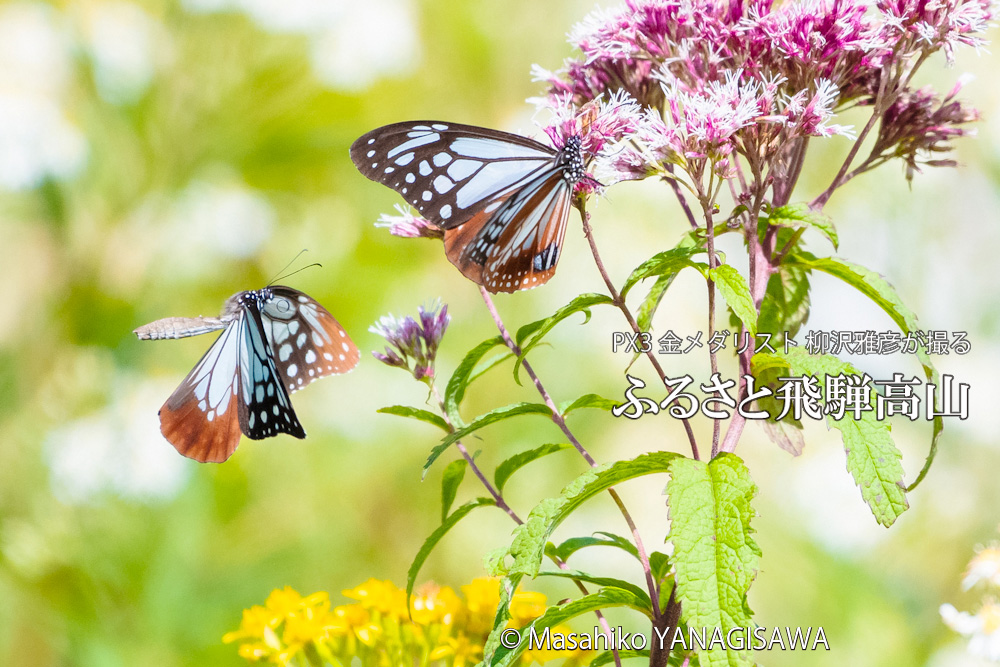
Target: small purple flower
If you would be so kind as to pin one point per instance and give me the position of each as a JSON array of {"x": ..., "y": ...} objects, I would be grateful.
[
  {"x": 413, "y": 344},
  {"x": 409, "y": 226}
]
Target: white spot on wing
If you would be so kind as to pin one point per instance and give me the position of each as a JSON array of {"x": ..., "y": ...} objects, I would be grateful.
[
  {"x": 422, "y": 139},
  {"x": 443, "y": 184},
  {"x": 462, "y": 169}
]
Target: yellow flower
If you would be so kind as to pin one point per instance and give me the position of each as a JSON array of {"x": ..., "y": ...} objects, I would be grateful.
[
  {"x": 312, "y": 624},
  {"x": 442, "y": 629},
  {"x": 543, "y": 655},
  {"x": 283, "y": 601},
  {"x": 255, "y": 620},
  {"x": 482, "y": 596},
  {"x": 434, "y": 604},
  {"x": 255, "y": 652},
  {"x": 353, "y": 619},
  {"x": 526, "y": 606},
  {"x": 350, "y": 616},
  {"x": 287, "y": 600},
  {"x": 382, "y": 596},
  {"x": 460, "y": 649}
]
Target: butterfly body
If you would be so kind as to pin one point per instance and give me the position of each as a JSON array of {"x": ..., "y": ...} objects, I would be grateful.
[
  {"x": 503, "y": 200},
  {"x": 274, "y": 341}
]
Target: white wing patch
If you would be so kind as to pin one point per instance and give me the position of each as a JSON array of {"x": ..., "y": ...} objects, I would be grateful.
[
  {"x": 496, "y": 178},
  {"x": 214, "y": 380},
  {"x": 492, "y": 149}
]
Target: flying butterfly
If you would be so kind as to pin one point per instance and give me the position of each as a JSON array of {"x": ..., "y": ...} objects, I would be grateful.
[
  {"x": 503, "y": 200},
  {"x": 275, "y": 340}
]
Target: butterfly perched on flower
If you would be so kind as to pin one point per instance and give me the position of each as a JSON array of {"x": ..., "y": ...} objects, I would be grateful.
[
  {"x": 503, "y": 200},
  {"x": 275, "y": 341}
]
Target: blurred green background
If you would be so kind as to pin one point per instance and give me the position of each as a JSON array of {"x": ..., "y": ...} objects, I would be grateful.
[{"x": 158, "y": 156}]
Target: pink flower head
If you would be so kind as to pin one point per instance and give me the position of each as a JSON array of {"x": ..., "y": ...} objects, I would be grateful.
[
  {"x": 938, "y": 24},
  {"x": 408, "y": 225},
  {"x": 807, "y": 40},
  {"x": 597, "y": 123},
  {"x": 705, "y": 121},
  {"x": 600, "y": 126},
  {"x": 806, "y": 113}
]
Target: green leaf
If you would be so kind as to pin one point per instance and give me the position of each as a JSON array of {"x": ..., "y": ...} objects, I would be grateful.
[
  {"x": 453, "y": 475},
  {"x": 800, "y": 216},
  {"x": 659, "y": 565},
  {"x": 872, "y": 458},
  {"x": 507, "y": 587},
  {"x": 694, "y": 241},
  {"x": 787, "y": 432},
  {"x": 665, "y": 264},
  {"x": 785, "y": 306},
  {"x": 715, "y": 556},
  {"x": 491, "y": 417},
  {"x": 460, "y": 379},
  {"x": 532, "y": 334},
  {"x": 518, "y": 461},
  {"x": 652, "y": 301},
  {"x": 574, "y": 544},
  {"x": 735, "y": 291},
  {"x": 416, "y": 413},
  {"x": 874, "y": 462},
  {"x": 604, "y": 582},
  {"x": 531, "y": 538},
  {"x": 559, "y": 614},
  {"x": 528, "y": 546},
  {"x": 879, "y": 290},
  {"x": 436, "y": 536},
  {"x": 587, "y": 401}
]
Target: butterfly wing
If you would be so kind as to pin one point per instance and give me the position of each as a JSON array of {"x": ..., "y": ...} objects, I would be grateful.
[
  {"x": 516, "y": 244},
  {"x": 307, "y": 341},
  {"x": 200, "y": 419},
  {"x": 450, "y": 172},
  {"x": 266, "y": 408}
]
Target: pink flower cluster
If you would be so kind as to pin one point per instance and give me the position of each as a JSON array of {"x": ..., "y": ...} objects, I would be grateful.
[{"x": 714, "y": 77}]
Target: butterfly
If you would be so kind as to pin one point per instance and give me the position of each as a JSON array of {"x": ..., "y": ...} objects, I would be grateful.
[
  {"x": 274, "y": 341},
  {"x": 503, "y": 200}
]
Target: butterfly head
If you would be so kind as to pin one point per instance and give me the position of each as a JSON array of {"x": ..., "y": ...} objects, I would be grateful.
[{"x": 242, "y": 300}]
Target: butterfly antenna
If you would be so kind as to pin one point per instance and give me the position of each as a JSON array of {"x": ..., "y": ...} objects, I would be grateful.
[
  {"x": 289, "y": 275},
  {"x": 279, "y": 276}
]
